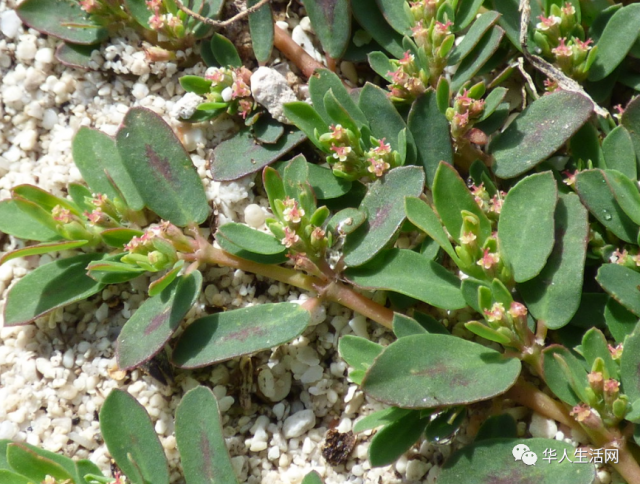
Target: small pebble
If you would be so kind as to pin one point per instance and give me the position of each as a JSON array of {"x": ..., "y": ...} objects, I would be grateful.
[{"x": 298, "y": 423}]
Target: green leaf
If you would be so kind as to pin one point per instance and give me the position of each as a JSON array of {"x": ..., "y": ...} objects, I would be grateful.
[
  {"x": 553, "y": 296},
  {"x": 238, "y": 251},
  {"x": 428, "y": 370},
  {"x": 33, "y": 465},
  {"x": 622, "y": 285},
  {"x": 324, "y": 81},
  {"x": 267, "y": 130},
  {"x": 226, "y": 335},
  {"x": 422, "y": 216},
  {"x": 75, "y": 55},
  {"x": 631, "y": 121},
  {"x": 444, "y": 425},
  {"x": 68, "y": 465},
  {"x": 312, "y": 478},
  {"x": 630, "y": 367},
  {"x": 429, "y": 323},
  {"x": 372, "y": 20},
  {"x": 510, "y": 19},
  {"x": 159, "y": 285},
  {"x": 498, "y": 426},
  {"x": 14, "y": 221},
  {"x": 346, "y": 221},
  {"x": 585, "y": 146},
  {"x": 139, "y": 11},
  {"x": 395, "y": 439},
  {"x": 42, "y": 249},
  {"x": 50, "y": 286},
  {"x": 359, "y": 354},
  {"x": 325, "y": 185},
  {"x": 42, "y": 198},
  {"x": 525, "y": 228},
  {"x": 543, "y": 127},
  {"x": 242, "y": 154},
  {"x": 96, "y": 156},
  {"x": 473, "y": 36},
  {"x": 331, "y": 21},
  {"x": 556, "y": 377},
  {"x": 395, "y": 14},
  {"x": 381, "y": 64},
  {"x": 151, "y": 326},
  {"x": 385, "y": 122},
  {"x": 406, "y": 326},
  {"x": 250, "y": 239},
  {"x": 200, "y": 439},
  {"x": 596, "y": 195},
  {"x": 165, "y": 177},
  {"x": 64, "y": 20},
  {"x": 491, "y": 461},
  {"x": 196, "y": 84},
  {"x": 379, "y": 418},
  {"x": 618, "y": 152},
  {"x": 132, "y": 442},
  {"x": 110, "y": 270},
  {"x": 450, "y": 197},
  {"x": 477, "y": 58},
  {"x": 384, "y": 207},
  {"x": 119, "y": 237},
  {"x": 617, "y": 39},
  {"x": 430, "y": 130},
  {"x": 261, "y": 28},
  {"x": 224, "y": 51},
  {"x": 625, "y": 192},
  {"x": 493, "y": 101},
  {"x": 594, "y": 345},
  {"x": 8, "y": 477},
  {"x": 84, "y": 467},
  {"x": 409, "y": 273},
  {"x": 620, "y": 321}
]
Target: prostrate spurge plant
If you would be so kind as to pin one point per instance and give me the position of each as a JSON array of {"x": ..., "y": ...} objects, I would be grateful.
[{"x": 540, "y": 243}]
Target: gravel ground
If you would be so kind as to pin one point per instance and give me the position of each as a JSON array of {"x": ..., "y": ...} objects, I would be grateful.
[{"x": 55, "y": 374}]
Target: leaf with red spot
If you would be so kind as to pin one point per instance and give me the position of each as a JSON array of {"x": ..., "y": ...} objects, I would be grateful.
[
  {"x": 384, "y": 206},
  {"x": 435, "y": 370},
  {"x": 226, "y": 335},
  {"x": 165, "y": 178},
  {"x": 146, "y": 332},
  {"x": 200, "y": 439},
  {"x": 132, "y": 442}
]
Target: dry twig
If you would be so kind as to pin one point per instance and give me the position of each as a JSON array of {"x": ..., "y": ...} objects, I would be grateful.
[{"x": 221, "y": 23}]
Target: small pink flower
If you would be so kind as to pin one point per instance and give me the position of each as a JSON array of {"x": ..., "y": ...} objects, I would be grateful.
[
  {"x": 568, "y": 9},
  {"x": 61, "y": 214},
  {"x": 174, "y": 22},
  {"x": 443, "y": 28},
  {"x": 382, "y": 148},
  {"x": 611, "y": 387},
  {"x": 571, "y": 178},
  {"x": 290, "y": 238},
  {"x": 586, "y": 45},
  {"x": 548, "y": 22},
  {"x": 340, "y": 152},
  {"x": 581, "y": 412},
  {"x": 154, "y": 5},
  {"x": 240, "y": 89},
  {"x": 133, "y": 244},
  {"x": 496, "y": 204},
  {"x": 318, "y": 233},
  {"x": 292, "y": 212},
  {"x": 244, "y": 107},
  {"x": 619, "y": 257},
  {"x": 378, "y": 167},
  {"x": 408, "y": 58},
  {"x": 488, "y": 260},
  {"x": 156, "y": 22},
  {"x": 461, "y": 119},
  {"x": 215, "y": 75},
  {"x": 398, "y": 76},
  {"x": 495, "y": 314},
  {"x": 467, "y": 238},
  {"x": 96, "y": 216},
  {"x": 616, "y": 351},
  {"x": 517, "y": 310},
  {"x": 419, "y": 31},
  {"x": 596, "y": 380},
  {"x": 89, "y": 6},
  {"x": 563, "y": 50},
  {"x": 337, "y": 132}
]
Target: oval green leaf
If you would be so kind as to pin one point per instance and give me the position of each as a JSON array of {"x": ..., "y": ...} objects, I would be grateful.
[
  {"x": 491, "y": 461},
  {"x": 226, "y": 335},
  {"x": 18, "y": 223},
  {"x": 331, "y": 20},
  {"x": 620, "y": 321},
  {"x": 525, "y": 228},
  {"x": 200, "y": 439},
  {"x": 630, "y": 367},
  {"x": 43, "y": 249},
  {"x": 261, "y": 27},
  {"x": 433, "y": 370},
  {"x": 617, "y": 39},
  {"x": 618, "y": 152},
  {"x": 62, "y": 19},
  {"x": 622, "y": 285},
  {"x": 251, "y": 240},
  {"x": 478, "y": 57},
  {"x": 543, "y": 127},
  {"x": 372, "y": 20},
  {"x": 131, "y": 439},
  {"x": 409, "y": 273},
  {"x": 384, "y": 206},
  {"x": 165, "y": 177},
  {"x": 29, "y": 463},
  {"x": 50, "y": 286},
  {"x": 151, "y": 326},
  {"x": 394, "y": 439},
  {"x": 553, "y": 296}
]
